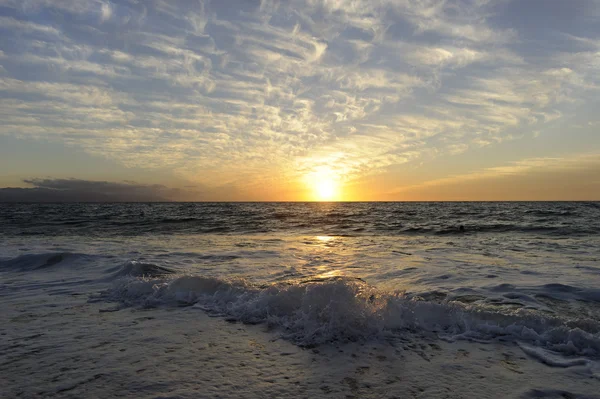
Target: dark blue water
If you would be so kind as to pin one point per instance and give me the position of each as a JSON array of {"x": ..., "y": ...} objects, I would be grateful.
[{"x": 556, "y": 219}]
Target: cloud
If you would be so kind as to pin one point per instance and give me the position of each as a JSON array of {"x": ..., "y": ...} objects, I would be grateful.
[
  {"x": 105, "y": 12},
  {"x": 221, "y": 94},
  {"x": 76, "y": 190},
  {"x": 27, "y": 26}
]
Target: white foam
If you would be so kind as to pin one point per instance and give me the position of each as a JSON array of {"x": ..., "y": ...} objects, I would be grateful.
[{"x": 345, "y": 309}]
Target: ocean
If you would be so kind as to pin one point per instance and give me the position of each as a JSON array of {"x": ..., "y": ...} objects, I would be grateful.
[{"x": 178, "y": 300}]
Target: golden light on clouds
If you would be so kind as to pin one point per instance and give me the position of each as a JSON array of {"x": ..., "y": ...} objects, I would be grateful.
[{"x": 265, "y": 105}]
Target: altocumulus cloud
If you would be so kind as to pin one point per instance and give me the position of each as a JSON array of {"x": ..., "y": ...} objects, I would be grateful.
[{"x": 226, "y": 92}]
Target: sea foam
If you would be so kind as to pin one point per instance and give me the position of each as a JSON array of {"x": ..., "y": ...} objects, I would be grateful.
[{"x": 347, "y": 309}]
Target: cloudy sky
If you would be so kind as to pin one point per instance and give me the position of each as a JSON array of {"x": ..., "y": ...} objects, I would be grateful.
[{"x": 302, "y": 99}]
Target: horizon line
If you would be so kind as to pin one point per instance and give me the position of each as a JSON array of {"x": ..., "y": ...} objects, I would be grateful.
[{"x": 283, "y": 202}]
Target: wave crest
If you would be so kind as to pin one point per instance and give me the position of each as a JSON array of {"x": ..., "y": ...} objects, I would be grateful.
[
  {"x": 140, "y": 269},
  {"x": 344, "y": 309}
]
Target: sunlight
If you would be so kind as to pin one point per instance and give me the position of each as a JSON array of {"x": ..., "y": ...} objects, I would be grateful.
[
  {"x": 324, "y": 185},
  {"x": 324, "y": 238},
  {"x": 325, "y": 189},
  {"x": 330, "y": 274}
]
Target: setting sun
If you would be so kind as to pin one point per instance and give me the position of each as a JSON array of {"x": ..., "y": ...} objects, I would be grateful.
[
  {"x": 324, "y": 185},
  {"x": 325, "y": 189}
]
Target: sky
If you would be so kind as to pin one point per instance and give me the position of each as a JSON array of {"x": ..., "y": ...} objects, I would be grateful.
[{"x": 249, "y": 100}]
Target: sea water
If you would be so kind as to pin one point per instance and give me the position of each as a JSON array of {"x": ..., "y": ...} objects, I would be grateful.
[{"x": 316, "y": 275}]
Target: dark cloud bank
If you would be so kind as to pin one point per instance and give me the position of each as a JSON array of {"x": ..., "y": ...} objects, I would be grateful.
[{"x": 75, "y": 190}]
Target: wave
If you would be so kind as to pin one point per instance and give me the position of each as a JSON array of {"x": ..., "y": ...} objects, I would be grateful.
[
  {"x": 139, "y": 269},
  {"x": 330, "y": 226},
  {"x": 180, "y": 220},
  {"x": 343, "y": 309},
  {"x": 45, "y": 261},
  {"x": 507, "y": 228},
  {"x": 481, "y": 229},
  {"x": 563, "y": 292},
  {"x": 551, "y": 212}
]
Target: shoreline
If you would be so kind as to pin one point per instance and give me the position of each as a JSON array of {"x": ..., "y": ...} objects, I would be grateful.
[{"x": 75, "y": 348}]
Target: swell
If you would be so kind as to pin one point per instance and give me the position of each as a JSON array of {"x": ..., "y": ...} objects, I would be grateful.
[
  {"x": 98, "y": 228},
  {"x": 343, "y": 309},
  {"x": 541, "y": 229},
  {"x": 39, "y": 262},
  {"x": 546, "y": 219}
]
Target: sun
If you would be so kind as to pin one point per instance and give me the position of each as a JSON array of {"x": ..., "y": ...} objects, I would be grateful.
[
  {"x": 325, "y": 189},
  {"x": 323, "y": 184}
]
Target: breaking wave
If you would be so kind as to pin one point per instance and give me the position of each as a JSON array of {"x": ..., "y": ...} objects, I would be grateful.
[
  {"x": 345, "y": 309},
  {"x": 139, "y": 269}
]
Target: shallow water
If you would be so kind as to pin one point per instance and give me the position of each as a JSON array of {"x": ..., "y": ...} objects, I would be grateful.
[{"x": 520, "y": 274}]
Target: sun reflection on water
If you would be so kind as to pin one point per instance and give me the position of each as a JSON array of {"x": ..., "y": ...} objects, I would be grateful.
[
  {"x": 325, "y": 239},
  {"x": 329, "y": 273}
]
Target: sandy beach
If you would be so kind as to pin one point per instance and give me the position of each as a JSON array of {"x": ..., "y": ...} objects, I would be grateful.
[{"x": 68, "y": 347}]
